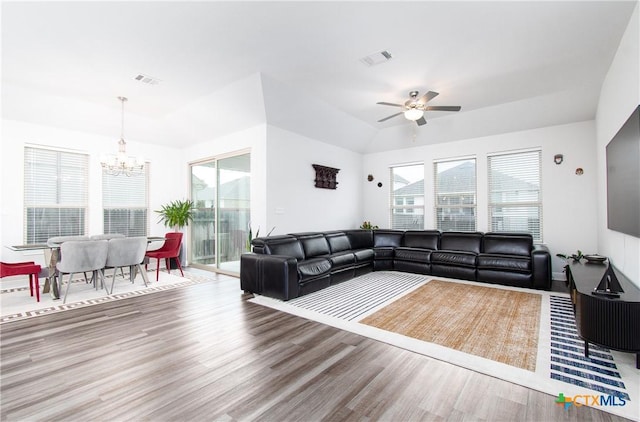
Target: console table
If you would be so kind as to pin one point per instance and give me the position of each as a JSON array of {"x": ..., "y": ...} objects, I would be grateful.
[{"x": 612, "y": 322}]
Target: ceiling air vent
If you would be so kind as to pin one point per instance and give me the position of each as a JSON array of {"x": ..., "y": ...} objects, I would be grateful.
[
  {"x": 376, "y": 58},
  {"x": 146, "y": 79}
]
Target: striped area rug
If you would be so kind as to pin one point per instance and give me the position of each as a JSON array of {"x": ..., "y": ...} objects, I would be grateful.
[
  {"x": 561, "y": 369},
  {"x": 360, "y": 296},
  {"x": 598, "y": 372}
]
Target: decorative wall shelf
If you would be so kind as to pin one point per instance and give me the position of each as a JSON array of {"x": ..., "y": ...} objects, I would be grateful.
[{"x": 325, "y": 177}]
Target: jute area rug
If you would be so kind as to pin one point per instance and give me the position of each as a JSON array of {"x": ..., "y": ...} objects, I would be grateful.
[
  {"x": 526, "y": 337},
  {"x": 501, "y": 325}
]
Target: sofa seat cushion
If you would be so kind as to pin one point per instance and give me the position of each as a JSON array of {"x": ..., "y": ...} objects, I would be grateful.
[
  {"x": 413, "y": 254},
  {"x": 504, "y": 263},
  {"x": 314, "y": 267},
  {"x": 364, "y": 255},
  {"x": 342, "y": 260},
  {"x": 385, "y": 252},
  {"x": 457, "y": 258}
]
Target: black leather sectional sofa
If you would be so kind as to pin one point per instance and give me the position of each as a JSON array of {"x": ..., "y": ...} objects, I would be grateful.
[{"x": 289, "y": 266}]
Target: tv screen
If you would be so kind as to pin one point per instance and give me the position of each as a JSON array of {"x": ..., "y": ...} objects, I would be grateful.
[{"x": 623, "y": 178}]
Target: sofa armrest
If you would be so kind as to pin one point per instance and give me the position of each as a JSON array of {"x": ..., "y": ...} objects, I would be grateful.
[
  {"x": 541, "y": 267},
  {"x": 269, "y": 275}
]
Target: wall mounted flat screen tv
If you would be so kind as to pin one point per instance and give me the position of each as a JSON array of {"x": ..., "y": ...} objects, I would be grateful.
[{"x": 623, "y": 178}]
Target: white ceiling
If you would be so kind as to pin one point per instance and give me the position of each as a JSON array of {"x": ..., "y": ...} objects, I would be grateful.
[{"x": 225, "y": 65}]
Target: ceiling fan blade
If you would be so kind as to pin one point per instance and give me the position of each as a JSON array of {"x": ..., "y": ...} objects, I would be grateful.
[
  {"x": 390, "y": 104},
  {"x": 443, "y": 108},
  {"x": 421, "y": 121},
  {"x": 389, "y": 117},
  {"x": 427, "y": 97}
]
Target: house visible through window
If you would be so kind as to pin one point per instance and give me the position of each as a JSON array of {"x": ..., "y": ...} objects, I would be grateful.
[
  {"x": 455, "y": 194},
  {"x": 515, "y": 202},
  {"x": 125, "y": 203},
  {"x": 407, "y": 197},
  {"x": 55, "y": 194}
]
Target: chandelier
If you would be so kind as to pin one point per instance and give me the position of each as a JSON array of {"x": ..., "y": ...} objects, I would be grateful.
[{"x": 121, "y": 163}]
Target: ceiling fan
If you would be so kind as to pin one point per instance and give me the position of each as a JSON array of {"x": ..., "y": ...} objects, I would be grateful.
[{"x": 415, "y": 107}]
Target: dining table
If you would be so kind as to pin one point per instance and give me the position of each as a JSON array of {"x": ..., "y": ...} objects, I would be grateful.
[{"x": 51, "y": 284}]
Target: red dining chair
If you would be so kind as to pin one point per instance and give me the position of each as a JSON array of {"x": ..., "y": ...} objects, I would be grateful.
[
  {"x": 23, "y": 268},
  {"x": 170, "y": 249}
]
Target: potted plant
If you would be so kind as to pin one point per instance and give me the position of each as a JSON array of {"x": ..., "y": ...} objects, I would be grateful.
[
  {"x": 176, "y": 214},
  {"x": 368, "y": 226},
  {"x": 576, "y": 257}
]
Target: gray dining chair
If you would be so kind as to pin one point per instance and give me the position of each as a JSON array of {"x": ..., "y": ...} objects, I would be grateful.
[
  {"x": 52, "y": 255},
  {"x": 58, "y": 240},
  {"x": 127, "y": 252},
  {"x": 107, "y": 236},
  {"x": 81, "y": 257}
]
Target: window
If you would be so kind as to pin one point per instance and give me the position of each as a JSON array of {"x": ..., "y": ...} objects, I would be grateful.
[
  {"x": 515, "y": 202},
  {"x": 55, "y": 194},
  {"x": 407, "y": 197},
  {"x": 455, "y": 194},
  {"x": 125, "y": 203}
]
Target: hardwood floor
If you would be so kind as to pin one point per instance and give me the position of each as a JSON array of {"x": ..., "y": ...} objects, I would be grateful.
[{"x": 204, "y": 353}]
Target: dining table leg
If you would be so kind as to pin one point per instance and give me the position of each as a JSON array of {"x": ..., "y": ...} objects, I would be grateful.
[{"x": 51, "y": 282}]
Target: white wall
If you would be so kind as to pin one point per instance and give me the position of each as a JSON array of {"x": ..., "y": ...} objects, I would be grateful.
[
  {"x": 619, "y": 96},
  {"x": 293, "y": 203},
  {"x": 167, "y": 176},
  {"x": 569, "y": 201}
]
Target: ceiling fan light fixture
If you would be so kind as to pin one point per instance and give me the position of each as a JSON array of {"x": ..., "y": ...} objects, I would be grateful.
[{"x": 413, "y": 114}]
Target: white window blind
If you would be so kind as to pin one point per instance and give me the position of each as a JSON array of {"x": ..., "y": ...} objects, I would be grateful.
[
  {"x": 407, "y": 197},
  {"x": 455, "y": 194},
  {"x": 125, "y": 203},
  {"x": 515, "y": 197},
  {"x": 55, "y": 194}
]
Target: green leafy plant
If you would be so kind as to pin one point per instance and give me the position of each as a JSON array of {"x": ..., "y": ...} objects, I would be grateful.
[
  {"x": 250, "y": 235},
  {"x": 176, "y": 214},
  {"x": 368, "y": 226},
  {"x": 576, "y": 256}
]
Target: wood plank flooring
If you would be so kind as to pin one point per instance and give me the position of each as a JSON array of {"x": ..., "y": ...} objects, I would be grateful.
[{"x": 204, "y": 353}]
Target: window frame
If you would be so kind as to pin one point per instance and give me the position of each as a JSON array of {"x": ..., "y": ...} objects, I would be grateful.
[
  {"x": 461, "y": 206},
  {"x": 531, "y": 172},
  {"x": 417, "y": 211},
  {"x": 129, "y": 209},
  {"x": 41, "y": 165}
]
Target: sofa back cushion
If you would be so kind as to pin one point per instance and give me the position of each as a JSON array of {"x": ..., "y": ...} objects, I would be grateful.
[
  {"x": 259, "y": 243},
  {"x": 288, "y": 246},
  {"x": 338, "y": 241},
  {"x": 423, "y": 239},
  {"x": 461, "y": 241},
  {"x": 508, "y": 244},
  {"x": 314, "y": 245},
  {"x": 360, "y": 239},
  {"x": 386, "y": 238}
]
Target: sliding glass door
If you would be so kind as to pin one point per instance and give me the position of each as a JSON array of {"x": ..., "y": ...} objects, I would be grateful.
[{"x": 220, "y": 192}]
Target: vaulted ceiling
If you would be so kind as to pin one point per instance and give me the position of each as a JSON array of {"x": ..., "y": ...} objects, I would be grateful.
[{"x": 223, "y": 66}]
